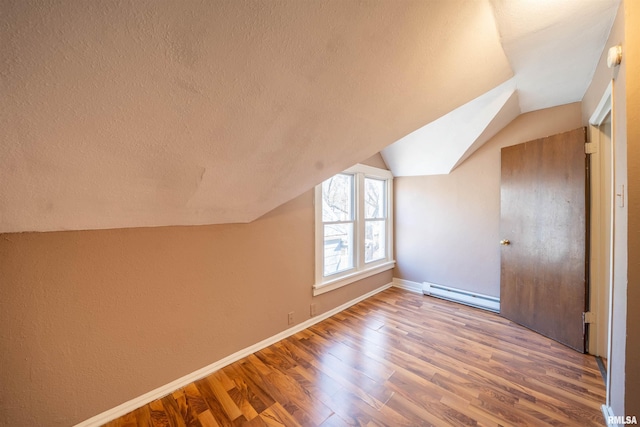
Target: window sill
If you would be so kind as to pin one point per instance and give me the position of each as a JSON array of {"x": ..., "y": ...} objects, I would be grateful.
[{"x": 330, "y": 285}]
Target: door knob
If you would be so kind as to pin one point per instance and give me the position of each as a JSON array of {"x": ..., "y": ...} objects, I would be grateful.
[{"x": 505, "y": 242}]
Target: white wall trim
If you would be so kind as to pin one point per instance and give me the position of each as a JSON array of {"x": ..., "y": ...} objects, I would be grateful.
[
  {"x": 607, "y": 412},
  {"x": 320, "y": 289},
  {"x": 604, "y": 106},
  {"x": 166, "y": 389},
  {"x": 407, "y": 285}
]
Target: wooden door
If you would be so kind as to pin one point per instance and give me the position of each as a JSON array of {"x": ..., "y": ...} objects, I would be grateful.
[{"x": 543, "y": 218}]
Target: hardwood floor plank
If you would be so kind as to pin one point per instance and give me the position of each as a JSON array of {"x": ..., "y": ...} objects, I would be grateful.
[
  {"x": 129, "y": 420},
  {"x": 158, "y": 415},
  {"x": 223, "y": 379},
  {"x": 249, "y": 404},
  {"x": 334, "y": 421},
  {"x": 207, "y": 419},
  {"x": 228, "y": 405},
  {"x": 188, "y": 414},
  {"x": 216, "y": 408},
  {"x": 278, "y": 391},
  {"x": 173, "y": 412},
  {"x": 297, "y": 394},
  {"x": 395, "y": 359},
  {"x": 143, "y": 417},
  {"x": 194, "y": 399},
  {"x": 276, "y": 415},
  {"x": 415, "y": 413}
]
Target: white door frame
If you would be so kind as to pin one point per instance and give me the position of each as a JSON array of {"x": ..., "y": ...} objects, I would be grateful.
[{"x": 598, "y": 243}]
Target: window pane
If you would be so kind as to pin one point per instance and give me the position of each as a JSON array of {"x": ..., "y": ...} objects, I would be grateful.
[
  {"x": 337, "y": 198},
  {"x": 374, "y": 198},
  {"x": 338, "y": 248},
  {"x": 374, "y": 240}
]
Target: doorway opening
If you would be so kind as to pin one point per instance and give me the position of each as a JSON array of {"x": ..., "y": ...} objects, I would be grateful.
[{"x": 602, "y": 211}]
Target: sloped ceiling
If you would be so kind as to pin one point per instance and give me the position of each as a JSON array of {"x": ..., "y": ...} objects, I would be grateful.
[
  {"x": 147, "y": 113},
  {"x": 437, "y": 148},
  {"x": 553, "y": 47}
]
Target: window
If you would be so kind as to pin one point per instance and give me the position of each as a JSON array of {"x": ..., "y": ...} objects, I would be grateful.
[{"x": 353, "y": 227}]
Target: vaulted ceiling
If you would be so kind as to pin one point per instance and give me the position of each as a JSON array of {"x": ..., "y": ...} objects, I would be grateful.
[
  {"x": 553, "y": 48},
  {"x": 148, "y": 113}
]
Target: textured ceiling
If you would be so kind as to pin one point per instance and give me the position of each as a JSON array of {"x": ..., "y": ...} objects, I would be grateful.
[
  {"x": 553, "y": 47},
  {"x": 146, "y": 113}
]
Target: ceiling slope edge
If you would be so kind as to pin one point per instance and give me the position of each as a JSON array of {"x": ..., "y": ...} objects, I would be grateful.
[
  {"x": 438, "y": 147},
  {"x": 509, "y": 111}
]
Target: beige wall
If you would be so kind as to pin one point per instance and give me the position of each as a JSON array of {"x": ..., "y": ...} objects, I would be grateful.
[
  {"x": 91, "y": 319},
  {"x": 447, "y": 226},
  {"x": 622, "y": 366},
  {"x": 632, "y": 359}
]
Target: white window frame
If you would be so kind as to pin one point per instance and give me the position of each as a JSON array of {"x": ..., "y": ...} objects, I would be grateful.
[{"x": 361, "y": 269}]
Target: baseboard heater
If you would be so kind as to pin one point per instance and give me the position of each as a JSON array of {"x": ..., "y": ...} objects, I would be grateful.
[{"x": 485, "y": 302}]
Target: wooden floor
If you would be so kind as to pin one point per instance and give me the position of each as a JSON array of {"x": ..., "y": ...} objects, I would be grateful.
[{"x": 395, "y": 359}]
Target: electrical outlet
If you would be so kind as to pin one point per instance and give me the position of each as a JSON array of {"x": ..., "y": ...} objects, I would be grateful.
[
  {"x": 312, "y": 310},
  {"x": 290, "y": 318}
]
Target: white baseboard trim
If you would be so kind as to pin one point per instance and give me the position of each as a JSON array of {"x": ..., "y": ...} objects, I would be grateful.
[
  {"x": 166, "y": 389},
  {"x": 407, "y": 285},
  {"x": 607, "y": 412}
]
